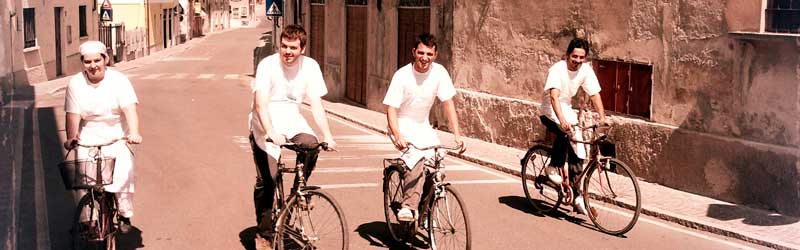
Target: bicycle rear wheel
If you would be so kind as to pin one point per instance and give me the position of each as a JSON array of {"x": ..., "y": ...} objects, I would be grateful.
[
  {"x": 542, "y": 194},
  {"x": 94, "y": 223},
  {"x": 448, "y": 222},
  {"x": 314, "y": 221},
  {"x": 612, "y": 196},
  {"x": 392, "y": 203}
]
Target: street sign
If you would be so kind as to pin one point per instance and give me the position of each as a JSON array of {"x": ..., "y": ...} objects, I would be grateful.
[
  {"x": 275, "y": 7},
  {"x": 106, "y": 13}
]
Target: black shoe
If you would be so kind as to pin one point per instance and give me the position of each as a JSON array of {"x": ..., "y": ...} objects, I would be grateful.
[{"x": 124, "y": 224}]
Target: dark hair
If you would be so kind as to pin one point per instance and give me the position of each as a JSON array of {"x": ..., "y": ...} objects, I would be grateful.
[
  {"x": 578, "y": 43},
  {"x": 294, "y": 31},
  {"x": 426, "y": 38}
]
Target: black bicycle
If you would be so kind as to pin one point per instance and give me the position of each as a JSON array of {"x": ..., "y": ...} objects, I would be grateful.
[
  {"x": 95, "y": 222},
  {"x": 309, "y": 218},
  {"x": 610, "y": 188},
  {"x": 442, "y": 211}
]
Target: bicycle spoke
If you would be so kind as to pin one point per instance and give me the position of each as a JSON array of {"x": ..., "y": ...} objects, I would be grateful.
[
  {"x": 448, "y": 223},
  {"x": 613, "y": 197},
  {"x": 315, "y": 224}
]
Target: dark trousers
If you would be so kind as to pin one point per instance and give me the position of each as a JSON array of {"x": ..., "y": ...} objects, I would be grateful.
[
  {"x": 562, "y": 151},
  {"x": 267, "y": 171}
]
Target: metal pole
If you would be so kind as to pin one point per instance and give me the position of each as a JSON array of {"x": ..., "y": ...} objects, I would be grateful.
[{"x": 274, "y": 34}]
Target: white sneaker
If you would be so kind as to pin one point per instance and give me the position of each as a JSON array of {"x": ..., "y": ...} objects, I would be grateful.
[
  {"x": 579, "y": 206},
  {"x": 553, "y": 175},
  {"x": 405, "y": 214}
]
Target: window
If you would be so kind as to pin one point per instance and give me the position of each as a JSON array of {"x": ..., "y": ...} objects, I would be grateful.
[
  {"x": 82, "y": 20},
  {"x": 626, "y": 86},
  {"x": 29, "y": 17},
  {"x": 782, "y": 16}
]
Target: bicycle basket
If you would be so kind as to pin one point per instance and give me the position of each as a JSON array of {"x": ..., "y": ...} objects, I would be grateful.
[
  {"x": 84, "y": 174},
  {"x": 607, "y": 147}
]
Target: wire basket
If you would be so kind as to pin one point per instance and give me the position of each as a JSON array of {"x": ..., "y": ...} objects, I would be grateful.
[{"x": 84, "y": 173}]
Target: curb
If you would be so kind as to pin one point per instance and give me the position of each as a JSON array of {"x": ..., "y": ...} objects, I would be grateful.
[{"x": 663, "y": 215}]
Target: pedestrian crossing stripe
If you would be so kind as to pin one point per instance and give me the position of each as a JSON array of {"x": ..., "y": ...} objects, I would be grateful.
[
  {"x": 273, "y": 10},
  {"x": 106, "y": 17}
]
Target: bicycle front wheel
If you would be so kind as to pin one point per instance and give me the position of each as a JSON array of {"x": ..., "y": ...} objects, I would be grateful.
[
  {"x": 312, "y": 221},
  {"x": 612, "y": 196},
  {"x": 94, "y": 223},
  {"x": 393, "y": 202},
  {"x": 542, "y": 194},
  {"x": 448, "y": 222}
]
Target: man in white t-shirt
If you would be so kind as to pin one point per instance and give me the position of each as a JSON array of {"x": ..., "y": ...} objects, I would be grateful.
[
  {"x": 283, "y": 81},
  {"x": 408, "y": 103},
  {"x": 563, "y": 80}
]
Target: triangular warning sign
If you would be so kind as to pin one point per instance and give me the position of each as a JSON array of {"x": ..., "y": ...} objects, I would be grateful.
[
  {"x": 105, "y": 16},
  {"x": 106, "y": 5},
  {"x": 273, "y": 10}
]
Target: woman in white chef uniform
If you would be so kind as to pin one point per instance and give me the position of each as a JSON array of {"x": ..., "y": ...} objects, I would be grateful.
[{"x": 100, "y": 106}]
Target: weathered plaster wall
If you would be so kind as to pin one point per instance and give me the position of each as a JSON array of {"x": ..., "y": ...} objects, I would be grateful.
[
  {"x": 382, "y": 43},
  {"x": 737, "y": 99}
]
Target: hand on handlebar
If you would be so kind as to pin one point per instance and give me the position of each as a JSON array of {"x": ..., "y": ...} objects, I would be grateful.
[
  {"x": 134, "y": 138},
  {"x": 462, "y": 147},
  {"x": 71, "y": 143},
  {"x": 277, "y": 139}
]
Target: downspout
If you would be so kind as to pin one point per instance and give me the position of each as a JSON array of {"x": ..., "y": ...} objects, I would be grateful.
[
  {"x": 12, "y": 28},
  {"x": 147, "y": 25}
]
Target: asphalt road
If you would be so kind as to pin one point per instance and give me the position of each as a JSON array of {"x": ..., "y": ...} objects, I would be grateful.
[{"x": 195, "y": 173}]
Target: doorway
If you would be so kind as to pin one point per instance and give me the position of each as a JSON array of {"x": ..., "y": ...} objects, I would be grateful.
[{"x": 356, "y": 68}]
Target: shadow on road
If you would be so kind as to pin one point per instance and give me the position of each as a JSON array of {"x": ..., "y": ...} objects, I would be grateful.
[
  {"x": 248, "y": 238},
  {"x": 377, "y": 235},
  {"x": 750, "y": 216},
  {"x": 521, "y": 203},
  {"x": 131, "y": 240}
]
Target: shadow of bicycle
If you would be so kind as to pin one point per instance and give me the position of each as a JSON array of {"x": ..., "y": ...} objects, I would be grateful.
[
  {"x": 521, "y": 203},
  {"x": 131, "y": 240},
  {"x": 377, "y": 235}
]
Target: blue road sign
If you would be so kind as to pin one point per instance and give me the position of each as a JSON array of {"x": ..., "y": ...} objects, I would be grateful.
[{"x": 274, "y": 7}]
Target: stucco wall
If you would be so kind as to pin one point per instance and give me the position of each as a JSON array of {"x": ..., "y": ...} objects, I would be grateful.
[{"x": 736, "y": 99}]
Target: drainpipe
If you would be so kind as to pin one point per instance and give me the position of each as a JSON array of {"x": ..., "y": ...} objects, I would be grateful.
[
  {"x": 12, "y": 27},
  {"x": 147, "y": 25}
]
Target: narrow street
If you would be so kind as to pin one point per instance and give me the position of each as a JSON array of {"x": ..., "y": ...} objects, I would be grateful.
[{"x": 195, "y": 173}]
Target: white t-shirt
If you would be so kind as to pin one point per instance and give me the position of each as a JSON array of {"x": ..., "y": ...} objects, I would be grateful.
[
  {"x": 568, "y": 82},
  {"x": 288, "y": 87},
  {"x": 413, "y": 93},
  {"x": 100, "y": 107}
]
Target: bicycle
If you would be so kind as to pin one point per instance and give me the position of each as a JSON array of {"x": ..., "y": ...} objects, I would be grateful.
[
  {"x": 308, "y": 218},
  {"x": 95, "y": 222},
  {"x": 607, "y": 182},
  {"x": 441, "y": 209}
]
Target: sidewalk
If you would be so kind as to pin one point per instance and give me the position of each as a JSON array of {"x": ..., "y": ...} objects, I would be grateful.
[{"x": 693, "y": 211}]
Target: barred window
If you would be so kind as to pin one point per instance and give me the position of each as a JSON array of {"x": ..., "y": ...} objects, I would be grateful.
[
  {"x": 317, "y": 1},
  {"x": 29, "y": 17},
  {"x": 783, "y": 16},
  {"x": 356, "y": 2},
  {"x": 82, "y": 21}
]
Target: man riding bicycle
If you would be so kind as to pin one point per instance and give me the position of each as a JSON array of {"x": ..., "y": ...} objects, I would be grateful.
[
  {"x": 563, "y": 80},
  {"x": 408, "y": 103},
  {"x": 283, "y": 80}
]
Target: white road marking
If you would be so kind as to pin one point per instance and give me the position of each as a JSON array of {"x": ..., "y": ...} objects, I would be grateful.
[
  {"x": 152, "y": 76},
  {"x": 130, "y": 75},
  {"x": 231, "y": 76},
  {"x": 179, "y": 76},
  {"x": 205, "y": 76},
  {"x": 357, "y": 157},
  {"x": 186, "y": 59}
]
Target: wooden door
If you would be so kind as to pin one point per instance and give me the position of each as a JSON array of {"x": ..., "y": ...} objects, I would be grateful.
[
  {"x": 356, "y": 72},
  {"x": 411, "y": 21},
  {"x": 317, "y": 35}
]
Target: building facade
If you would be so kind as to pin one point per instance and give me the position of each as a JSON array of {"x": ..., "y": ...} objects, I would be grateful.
[
  {"x": 703, "y": 94},
  {"x": 243, "y": 13},
  {"x": 149, "y": 25},
  {"x": 41, "y": 38}
]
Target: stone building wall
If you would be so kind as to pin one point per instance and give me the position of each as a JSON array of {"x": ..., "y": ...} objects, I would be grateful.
[
  {"x": 724, "y": 108},
  {"x": 723, "y": 117}
]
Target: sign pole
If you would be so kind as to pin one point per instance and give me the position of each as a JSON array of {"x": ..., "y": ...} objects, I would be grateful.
[
  {"x": 275, "y": 34},
  {"x": 274, "y": 11}
]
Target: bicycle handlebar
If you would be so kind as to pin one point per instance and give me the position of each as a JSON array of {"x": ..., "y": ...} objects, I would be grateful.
[
  {"x": 296, "y": 147},
  {"x": 76, "y": 143},
  {"x": 454, "y": 148}
]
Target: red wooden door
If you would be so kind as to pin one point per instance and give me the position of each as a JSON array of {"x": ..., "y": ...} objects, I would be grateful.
[
  {"x": 317, "y": 34},
  {"x": 411, "y": 21},
  {"x": 356, "y": 73}
]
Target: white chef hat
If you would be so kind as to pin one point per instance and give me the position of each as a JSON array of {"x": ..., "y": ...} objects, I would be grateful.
[{"x": 93, "y": 47}]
